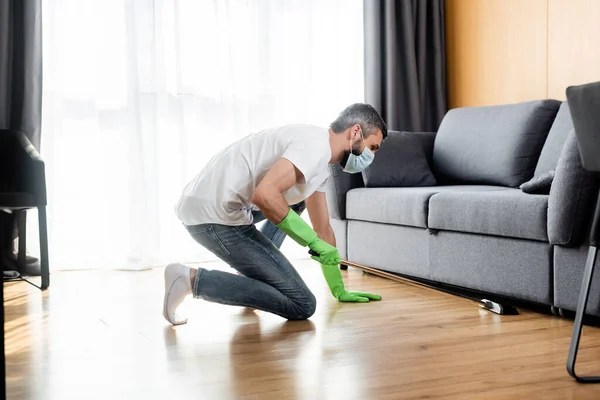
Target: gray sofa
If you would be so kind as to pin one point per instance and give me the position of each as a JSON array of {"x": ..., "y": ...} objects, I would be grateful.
[{"x": 447, "y": 207}]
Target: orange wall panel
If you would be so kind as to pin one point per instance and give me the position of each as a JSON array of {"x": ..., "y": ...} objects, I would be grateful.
[
  {"x": 573, "y": 44},
  {"x": 496, "y": 51}
]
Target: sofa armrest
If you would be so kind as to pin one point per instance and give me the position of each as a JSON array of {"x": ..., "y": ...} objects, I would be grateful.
[
  {"x": 340, "y": 183},
  {"x": 572, "y": 196}
]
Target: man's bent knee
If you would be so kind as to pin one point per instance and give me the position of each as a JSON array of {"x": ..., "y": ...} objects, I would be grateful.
[{"x": 305, "y": 309}]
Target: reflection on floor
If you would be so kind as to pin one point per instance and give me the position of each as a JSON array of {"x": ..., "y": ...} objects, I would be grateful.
[{"x": 100, "y": 335}]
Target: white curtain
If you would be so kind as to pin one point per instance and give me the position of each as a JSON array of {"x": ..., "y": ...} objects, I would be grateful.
[{"x": 139, "y": 94}]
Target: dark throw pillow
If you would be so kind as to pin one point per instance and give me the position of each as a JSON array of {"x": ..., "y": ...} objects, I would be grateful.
[{"x": 402, "y": 161}]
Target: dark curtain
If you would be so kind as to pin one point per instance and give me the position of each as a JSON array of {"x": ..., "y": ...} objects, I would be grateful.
[
  {"x": 21, "y": 67},
  {"x": 20, "y": 83},
  {"x": 20, "y": 91},
  {"x": 405, "y": 62}
]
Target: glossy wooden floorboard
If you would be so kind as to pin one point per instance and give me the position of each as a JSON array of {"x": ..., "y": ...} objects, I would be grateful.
[{"x": 100, "y": 335}]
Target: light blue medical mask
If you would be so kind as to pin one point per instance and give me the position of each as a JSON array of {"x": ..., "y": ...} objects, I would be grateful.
[{"x": 358, "y": 163}]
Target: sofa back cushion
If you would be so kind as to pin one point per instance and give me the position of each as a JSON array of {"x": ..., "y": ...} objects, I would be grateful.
[
  {"x": 492, "y": 145},
  {"x": 555, "y": 142}
]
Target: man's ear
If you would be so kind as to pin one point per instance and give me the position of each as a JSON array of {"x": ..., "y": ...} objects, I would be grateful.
[{"x": 356, "y": 132}]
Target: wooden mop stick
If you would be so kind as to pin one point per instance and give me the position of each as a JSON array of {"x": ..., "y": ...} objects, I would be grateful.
[
  {"x": 483, "y": 303},
  {"x": 400, "y": 279}
]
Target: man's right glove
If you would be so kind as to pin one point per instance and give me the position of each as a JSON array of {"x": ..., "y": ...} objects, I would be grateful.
[{"x": 296, "y": 228}]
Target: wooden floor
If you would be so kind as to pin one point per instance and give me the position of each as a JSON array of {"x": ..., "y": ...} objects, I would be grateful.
[{"x": 100, "y": 335}]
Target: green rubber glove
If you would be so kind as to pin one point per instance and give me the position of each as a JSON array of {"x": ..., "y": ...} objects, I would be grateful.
[
  {"x": 296, "y": 228},
  {"x": 333, "y": 276}
]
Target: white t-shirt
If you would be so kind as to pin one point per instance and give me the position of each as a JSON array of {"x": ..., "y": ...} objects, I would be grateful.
[{"x": 222, "y": 192}]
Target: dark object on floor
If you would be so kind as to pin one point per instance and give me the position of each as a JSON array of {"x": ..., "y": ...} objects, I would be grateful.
[
  {"x": 584, "y": 102},
  {"x": 496, "y": 307},
  {"x": 24, "y": 187}
]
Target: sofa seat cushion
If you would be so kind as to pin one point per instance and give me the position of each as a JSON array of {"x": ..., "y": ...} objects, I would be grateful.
[
  {"x": 506, "y": 213},
  {"x": 407, "y": 206}
]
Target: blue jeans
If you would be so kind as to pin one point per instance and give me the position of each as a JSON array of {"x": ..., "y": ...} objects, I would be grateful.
[{"x": 269, "y": 280}]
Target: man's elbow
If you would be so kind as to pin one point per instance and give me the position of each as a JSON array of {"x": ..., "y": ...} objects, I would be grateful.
[
  {"x": 264, "y": 198},
  {"x": 259, "y": 198}
]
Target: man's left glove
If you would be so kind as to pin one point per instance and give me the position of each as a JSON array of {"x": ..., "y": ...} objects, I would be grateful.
[{"x": 296, "y": 228}]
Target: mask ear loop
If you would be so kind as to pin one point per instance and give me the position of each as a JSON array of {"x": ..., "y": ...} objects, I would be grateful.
[{"x": 357, "y": 153}]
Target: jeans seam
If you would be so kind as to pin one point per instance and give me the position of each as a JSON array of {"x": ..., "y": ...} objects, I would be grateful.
[
  {"x": 196, "y": 281},
  {"x": 213, "y": 233},
  {"x": 246, "y": 237}
]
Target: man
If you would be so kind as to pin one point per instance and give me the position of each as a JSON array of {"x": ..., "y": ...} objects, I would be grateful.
[{"x": 258, "y": 178}]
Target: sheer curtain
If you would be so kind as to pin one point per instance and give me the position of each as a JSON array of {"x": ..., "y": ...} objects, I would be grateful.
[{"x": 139, "y": 95}]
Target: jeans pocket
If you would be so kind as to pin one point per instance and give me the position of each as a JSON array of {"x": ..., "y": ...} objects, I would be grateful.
[
  {"x": 217, "y": 242},
  {"x": 208, "y": 238}
]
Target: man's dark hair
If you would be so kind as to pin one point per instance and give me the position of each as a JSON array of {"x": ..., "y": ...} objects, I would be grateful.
[{"x": 363, "y": 114}]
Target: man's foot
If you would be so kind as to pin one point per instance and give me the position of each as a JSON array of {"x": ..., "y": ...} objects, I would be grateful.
[{"x": 177, "y": 287}]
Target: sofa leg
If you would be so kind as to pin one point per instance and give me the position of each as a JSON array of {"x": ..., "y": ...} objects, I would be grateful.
[
  {"x": 577, "y": 325},
  {"x": 561, "y": 313}
]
